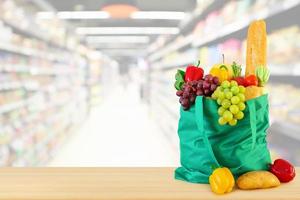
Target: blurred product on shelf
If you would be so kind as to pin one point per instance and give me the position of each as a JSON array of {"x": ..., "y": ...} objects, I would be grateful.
[
  {"x": 47, "y": 84},
  {"x": 221, "y": 29},
  {"x": 285, "y": 45}
]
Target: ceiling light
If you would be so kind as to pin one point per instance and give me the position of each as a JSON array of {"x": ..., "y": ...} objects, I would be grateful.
[
  {"x": 125, "y": 30},
  {"x": 83, "y": 15},
  {"x": 74, "y": 15},
  {"x": 45, "y": 15},
  {"x": 120, "y": 11},
  {"x": 127, "y": 52},
  {"x": 118, "y": 39},
  {"x": 158, "y": 15}
]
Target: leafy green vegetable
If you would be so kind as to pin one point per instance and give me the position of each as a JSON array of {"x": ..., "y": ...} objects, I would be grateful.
[
  {"x": 179, "y": 77},
  {"x": 263, "y": 75},
  {"x": 178, "y": 85},
  {"x": 236, "y": 69}
]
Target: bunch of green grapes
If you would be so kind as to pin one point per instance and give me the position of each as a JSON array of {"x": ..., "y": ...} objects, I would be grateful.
[{"x": 231, "y": 98}]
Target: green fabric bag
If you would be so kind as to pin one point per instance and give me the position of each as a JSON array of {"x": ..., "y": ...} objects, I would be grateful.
[{"x": 204, "y": 143}]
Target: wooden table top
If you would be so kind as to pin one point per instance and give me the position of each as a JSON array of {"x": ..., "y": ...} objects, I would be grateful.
[{"x": 119, "y": 183}]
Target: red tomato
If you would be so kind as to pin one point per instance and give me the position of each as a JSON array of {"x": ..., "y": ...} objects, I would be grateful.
[
  {"x": 240, "y": 81},
  {"x": 251, "y": 80}
]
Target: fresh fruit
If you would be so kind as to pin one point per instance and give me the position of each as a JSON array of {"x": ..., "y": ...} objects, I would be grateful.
[
  {"x": 227, "y": 116},
  {"x": 190, "y": 90},
  {"x": 256, "y": 46},
  {"x": 234, "y": 109},
  {"x": 228, "y": 95},
  {"x": 230, "y": 106},
  {"x": 226, "y": 103},
  {"x": 239, "y": 115},
  {"x": 225, "y": 84},
  {"x": 179, "y": 93},
  {"x": 241, "y": 97},
  {"x": 233, "y": 83},
  {"x": 283, "y": 170},
  {"x": 251, "y": 80},
  {"x": 235, "y": 89},
  {"x": 222, "y": 121},
  {"x": 241, "y": 106},
  {"x": 221, "y": 110},
  {"x": 233, "y": 122},
  {"x": 193, "y": 73},
  {"x": 235, "y": 100},
  {"x": 219, "y": 101},
  {"x": 257, "y": 180},
  {"x": 242, "y": 89},
  {"x": 221, "y": 95}
]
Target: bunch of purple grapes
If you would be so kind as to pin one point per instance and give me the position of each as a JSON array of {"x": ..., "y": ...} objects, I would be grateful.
[{"x": 192, "y": 89}]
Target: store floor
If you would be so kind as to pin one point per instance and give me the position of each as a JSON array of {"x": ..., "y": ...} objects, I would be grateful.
[{"x": 119, "y": 132}]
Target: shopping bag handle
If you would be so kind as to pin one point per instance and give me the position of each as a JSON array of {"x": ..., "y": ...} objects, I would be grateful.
[
  {"x": 200, "y": 125},
  {"x": 252, "y": 111}
]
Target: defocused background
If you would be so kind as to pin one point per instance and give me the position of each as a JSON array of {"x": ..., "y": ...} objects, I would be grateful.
[{"x": 90, "y": 83}]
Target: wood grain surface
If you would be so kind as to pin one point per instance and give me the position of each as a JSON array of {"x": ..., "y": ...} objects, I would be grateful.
[{"x": 118, "y": 183}]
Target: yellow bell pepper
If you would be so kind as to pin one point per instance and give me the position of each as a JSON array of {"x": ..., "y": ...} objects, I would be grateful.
[
  {"x": 222, "y": 71},
  {"x": 221, "y": 180}
]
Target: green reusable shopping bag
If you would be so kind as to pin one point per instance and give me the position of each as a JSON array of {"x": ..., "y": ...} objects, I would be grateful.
[{"x": 204, "y": 143}]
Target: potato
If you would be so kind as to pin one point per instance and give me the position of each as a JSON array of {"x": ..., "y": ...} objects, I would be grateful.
[{"x": 257, "y": 180}]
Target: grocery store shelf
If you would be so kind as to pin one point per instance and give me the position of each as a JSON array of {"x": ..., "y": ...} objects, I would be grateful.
[
  {"x": 172, "y": 47},
  {"x": 287, "y": 79},
  {"x": 11, "y": 85},
  {"x": 170, "y": 65},
  {"x": 243, "y": 22},
  {"x": 34, "y": 34},
  {"x": 199, "y": 15},
  {"x": 15, "y": 105},
  {"x": 30, "y": 52},
  {"x": 289, "y": 129},
  {"x": 34, "y": 70},
  {"x": 189, "y": 24},
  {"x": 227, "y": 30},
  {"x": 164, "y": 102}
]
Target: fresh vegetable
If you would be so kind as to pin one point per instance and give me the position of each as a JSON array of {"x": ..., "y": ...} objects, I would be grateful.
[
  {"x": 263, "y": 74},
  {"x": 236, "y": 70},
  {"x": 221, "y": 180},
  {"x": 251, "y": 80},
  {"x": 257, "y": 180},
  {"x": 284, "y": 170},
  {"x": 179, "y": 77},
  {"x": 256, "y": 46},
  {"x": 230, "y": 97},
  {"x": 240, "y": 80},
  {"x": 222, "y": 71},
  {"x": 192, "y": 89},
  {"x": 194, "y": 73},
  {"x": 253, "y": 92},
  {"x": 236, "y": 75}
]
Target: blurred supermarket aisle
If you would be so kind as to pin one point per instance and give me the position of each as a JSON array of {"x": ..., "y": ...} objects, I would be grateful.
[{"x": 119, "y": 132}]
